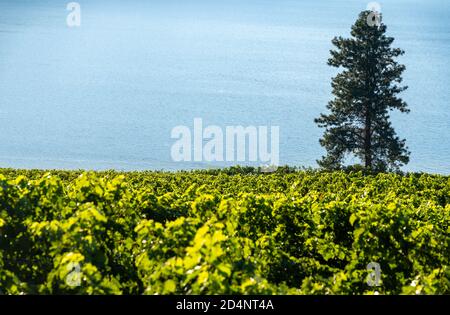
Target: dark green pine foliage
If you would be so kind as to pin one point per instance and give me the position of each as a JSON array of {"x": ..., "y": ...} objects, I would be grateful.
[{"x": 365, "y": 92}]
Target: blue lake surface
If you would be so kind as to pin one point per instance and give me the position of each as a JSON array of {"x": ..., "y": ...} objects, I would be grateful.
[{"x": 107, "y": 94}]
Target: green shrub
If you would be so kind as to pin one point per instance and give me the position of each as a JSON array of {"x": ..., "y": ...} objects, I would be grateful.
[{"x": 223, "y": 232}]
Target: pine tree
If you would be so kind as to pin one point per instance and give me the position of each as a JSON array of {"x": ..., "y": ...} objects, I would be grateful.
[{"x": 365, "y": 93}]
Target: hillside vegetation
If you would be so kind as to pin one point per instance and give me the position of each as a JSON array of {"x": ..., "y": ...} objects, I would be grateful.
[{"x": 223, "y": 232}]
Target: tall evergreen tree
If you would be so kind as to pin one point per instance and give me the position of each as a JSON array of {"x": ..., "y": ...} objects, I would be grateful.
[{"x": 365, "y": 93}]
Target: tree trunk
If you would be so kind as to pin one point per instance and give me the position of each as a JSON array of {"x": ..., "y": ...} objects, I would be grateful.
[
  {"x": 369, "y": 107},
  {"x": 368, "y": 140}
]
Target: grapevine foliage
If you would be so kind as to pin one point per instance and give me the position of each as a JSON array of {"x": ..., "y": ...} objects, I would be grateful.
[{"x": 304, "y": 232}]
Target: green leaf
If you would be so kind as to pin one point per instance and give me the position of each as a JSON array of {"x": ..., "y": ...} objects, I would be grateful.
[{"x": 170, "y": 286}]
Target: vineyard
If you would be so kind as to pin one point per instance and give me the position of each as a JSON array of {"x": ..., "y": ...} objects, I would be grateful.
[{"x": 223, "y": 232}]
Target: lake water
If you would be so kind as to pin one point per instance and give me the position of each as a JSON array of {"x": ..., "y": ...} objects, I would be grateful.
[{"x": 107, "y": 94}]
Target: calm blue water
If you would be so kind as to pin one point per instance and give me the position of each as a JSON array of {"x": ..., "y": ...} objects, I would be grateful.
[{"x": 107, "y": 94}]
